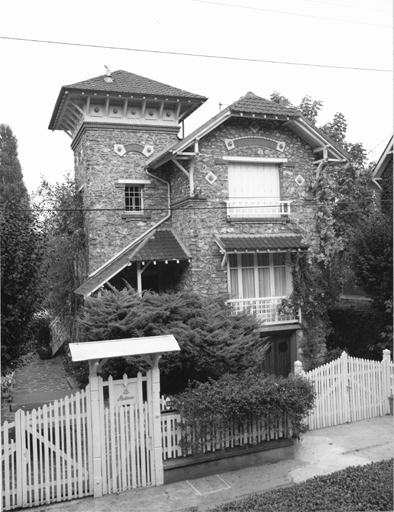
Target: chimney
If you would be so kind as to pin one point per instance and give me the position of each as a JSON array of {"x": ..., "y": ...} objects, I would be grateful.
[{"x": 108, "y": 77}]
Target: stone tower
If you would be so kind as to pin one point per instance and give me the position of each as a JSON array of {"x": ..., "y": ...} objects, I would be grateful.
[{"x": 116, "y": 121}]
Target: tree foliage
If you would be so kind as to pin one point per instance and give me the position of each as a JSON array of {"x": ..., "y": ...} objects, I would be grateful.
[
  {"x": 65, "y": 265},
  {"x": 22, "y": 249},
  {"x": 212, "y": 341}
]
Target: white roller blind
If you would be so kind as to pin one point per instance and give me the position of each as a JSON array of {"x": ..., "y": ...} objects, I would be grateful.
[{"x": 253, "y": 182}]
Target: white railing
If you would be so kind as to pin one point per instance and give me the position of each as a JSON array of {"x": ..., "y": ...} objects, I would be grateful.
[
  {"x": 265, "y": 309},
  {"x": 253, "y": 209}
]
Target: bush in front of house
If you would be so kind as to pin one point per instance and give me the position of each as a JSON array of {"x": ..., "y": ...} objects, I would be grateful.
[
  {"x": 241, "y": 399},
  {"x": 353, "y": 489},
  {"x": 212, "y": 340}
]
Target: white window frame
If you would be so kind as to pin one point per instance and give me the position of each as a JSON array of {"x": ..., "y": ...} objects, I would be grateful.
[
  {"x": 288, "y": 279},
  {"x": 139, "y": 184},
  {"x": 244, "y": 208}
]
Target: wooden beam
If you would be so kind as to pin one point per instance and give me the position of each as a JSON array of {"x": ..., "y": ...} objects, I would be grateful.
[
  {"x": 77, "y": 107},
  {"x": 125, "y": 105},
  {"x": 321, "y": 148},
  {"x": 161, "y": 110},
  {"x": 143, "y": 108}
]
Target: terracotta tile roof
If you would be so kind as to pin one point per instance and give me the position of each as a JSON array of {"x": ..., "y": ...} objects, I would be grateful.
[
  {"x": 242, "y": 243},
  {"x": 130, "y": 83},
  {"x": 257, "y": 105},
  {"x": 160, "y": 245}
]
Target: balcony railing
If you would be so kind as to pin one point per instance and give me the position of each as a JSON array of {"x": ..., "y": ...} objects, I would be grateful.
[
  {"x": 262, "y": 209},
  {"x": 265, "y": 309}
]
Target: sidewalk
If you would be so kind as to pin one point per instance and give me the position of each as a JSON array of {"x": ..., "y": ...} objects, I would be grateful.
[
  {"x": 319, "y": 452},
  {"x": 38, "y": 380}
]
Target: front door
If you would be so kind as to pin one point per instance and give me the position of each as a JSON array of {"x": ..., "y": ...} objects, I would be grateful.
[{"x": 278, "y": 357}]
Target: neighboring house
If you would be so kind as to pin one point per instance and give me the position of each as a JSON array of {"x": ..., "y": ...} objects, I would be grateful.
[
  {"x": 219, "y": 211},
  {"x": 382, "y": 178}
]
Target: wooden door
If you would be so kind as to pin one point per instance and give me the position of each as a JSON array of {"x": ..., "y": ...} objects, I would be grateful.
[{"x": 278, "y": 358}]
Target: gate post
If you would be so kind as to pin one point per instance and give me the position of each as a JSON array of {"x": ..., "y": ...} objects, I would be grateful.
[
  {"x": 96, "y": 428},
  {"x": 345, "y": 388},
  {"x": 387, "y": 393},
  {"x": 157, "y": 444}
]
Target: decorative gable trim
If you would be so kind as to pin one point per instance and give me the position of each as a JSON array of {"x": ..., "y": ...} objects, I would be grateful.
[
  {"x": 241, "y": 142},
  {"x": 122, "y": 150}
]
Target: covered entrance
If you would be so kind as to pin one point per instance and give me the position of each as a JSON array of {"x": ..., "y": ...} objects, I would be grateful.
[{"x": 125, "y": 422}]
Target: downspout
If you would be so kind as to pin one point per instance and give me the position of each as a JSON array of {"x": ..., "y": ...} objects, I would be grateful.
[{"x": 138, "y": 239}]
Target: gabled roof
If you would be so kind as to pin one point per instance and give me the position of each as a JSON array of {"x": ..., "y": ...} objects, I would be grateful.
[
  {"x": 130, "y": 83},
  {"x": 255, "y": 107},
  {"x": 383, "y": 161},
  {"x": 261, "y": 243},
  {"x": 159, "y": 245}
]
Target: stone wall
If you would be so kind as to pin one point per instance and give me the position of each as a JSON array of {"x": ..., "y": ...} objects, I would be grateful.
[
  {"x": 97, "y": 167},
  {"x": 197, "y": 221}
]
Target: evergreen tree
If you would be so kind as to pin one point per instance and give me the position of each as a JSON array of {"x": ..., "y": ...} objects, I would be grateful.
[{"x": 21, "y": 253}]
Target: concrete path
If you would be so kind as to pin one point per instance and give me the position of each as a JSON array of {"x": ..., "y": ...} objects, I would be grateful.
[
  {"x": 39, "y": 381},
  {"x": 319, "y": 452}
]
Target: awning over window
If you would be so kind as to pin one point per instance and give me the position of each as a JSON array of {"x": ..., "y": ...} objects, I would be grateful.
[
  {"x": 261, "y": 243},
  {"x": 160, "y": 245}
]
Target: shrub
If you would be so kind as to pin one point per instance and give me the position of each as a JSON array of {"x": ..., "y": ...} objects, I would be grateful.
[
  {"x": 246, "y": 397},
  {"x": 212, "y": 341},
  {"x": 358, "y": 488}
]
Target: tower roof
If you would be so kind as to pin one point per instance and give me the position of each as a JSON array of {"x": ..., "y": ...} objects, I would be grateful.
[{"x": 128, "y": 86}]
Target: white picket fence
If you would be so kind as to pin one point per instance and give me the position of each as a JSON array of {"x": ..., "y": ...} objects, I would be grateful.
[
  {"x": 45, "y": 454},
  {"x": 349, "y": 389},
  {"x": 233, "y": 435},
  {"x": 48, "y": 454}
]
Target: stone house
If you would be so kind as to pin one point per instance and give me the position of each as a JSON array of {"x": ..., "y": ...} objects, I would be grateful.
[{"x": 219, "y": 211}]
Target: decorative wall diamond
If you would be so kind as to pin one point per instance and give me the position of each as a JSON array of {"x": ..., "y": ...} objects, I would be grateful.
[
  {"x": 299, "y": 180},
  {"x": 254, "y": 127},
  {"x": 211, "y": 178}
]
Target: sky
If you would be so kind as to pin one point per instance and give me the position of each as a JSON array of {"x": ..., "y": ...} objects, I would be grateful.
[{"x": 262, "y": 42}]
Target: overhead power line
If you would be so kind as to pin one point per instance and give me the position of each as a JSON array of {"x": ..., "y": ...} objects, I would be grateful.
[
  {"x": 387, "y": 136},
  {"x": 291, "y": 13},
  {"x": 184, "y": 54},
  {"x": 158, "y": 209},
  {"x": 347, "y": 5}
]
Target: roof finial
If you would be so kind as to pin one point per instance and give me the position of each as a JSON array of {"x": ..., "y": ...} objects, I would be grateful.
[{"x": 108, "y": 76}]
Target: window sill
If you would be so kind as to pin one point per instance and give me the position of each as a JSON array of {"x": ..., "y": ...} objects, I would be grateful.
[{"x": 136, "y": 216}]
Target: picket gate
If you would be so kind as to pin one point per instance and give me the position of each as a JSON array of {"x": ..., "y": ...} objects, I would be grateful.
[
  {"x": 45, "y": 453},
  {"x": 349, "y": 389},
  {"x": 48, "y": 454}
]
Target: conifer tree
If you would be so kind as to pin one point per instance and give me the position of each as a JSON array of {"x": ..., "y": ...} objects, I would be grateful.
[{"x": 21, "y": 253}]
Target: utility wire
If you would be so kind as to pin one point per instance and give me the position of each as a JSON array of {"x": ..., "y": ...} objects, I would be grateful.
[
  {"x": 200, "y": 208},
  {"x": 183, "y": 54},
  {"x": 387, "y": 136},
  {"x": 289, "y": 13},
  {"x": 346, "y": 5}
]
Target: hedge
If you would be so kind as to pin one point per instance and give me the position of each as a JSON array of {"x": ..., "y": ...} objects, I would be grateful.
[{"x": 354, "y": 489}]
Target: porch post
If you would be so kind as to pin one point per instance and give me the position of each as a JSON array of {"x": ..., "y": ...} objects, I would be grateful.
[
  {"x": 139, "y": 278},
  {"x": 96, "y": 428},
  {"x": 157, "y": 445}
]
